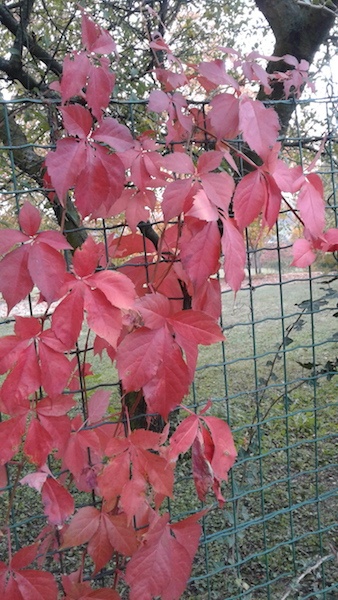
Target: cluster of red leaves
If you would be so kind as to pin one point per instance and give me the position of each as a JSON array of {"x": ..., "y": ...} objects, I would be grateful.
[{"x": 135, "y": 312}]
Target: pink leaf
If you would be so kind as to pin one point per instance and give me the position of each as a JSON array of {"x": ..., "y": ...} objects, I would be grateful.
[
  {"x": 15, "y": 280},
  {"x": 10, "y": 237},
  {"x": 74, "y": 75},
  {"x": 179, "y": 162},
  {"x": 158, "y": 101},
  {"x": 65, "y": 164},
  {"x": 114, "y": 134},
  {"x": 95, "y": 38},
  {"x": 99, "y": 89},
  {"x": 197, "y": 327},
  {"x": 303, "y": 255},
  {"x": 311, "y": 204},
  {"x": 219, "y": 188},
  {"x": 234, "y": 254},
  {"x": 162, "y": 565},
  {"x": 57, "y": 501},
  {"x": 200, "y": 249},
  {"x": 208, "y": 161},
  {"x": 139, "y": 356},
  {"x": 47, "y": 269},
  {"x": 260, "y": 125},
  {"x": 224, "y": 454},
  {"x": 116, "y": 287},
  {"x": 29, "y": 218},
  {"x": 249, "y": 198},
  {"x": 183, "y": 436},
  {"x": 38, "y": 443},
  {"x": 77, "y": 120},
  {"x": 97, "y": 405},
  {"x": 224, "y": 116},
  {"x": 82, "y": 527}
]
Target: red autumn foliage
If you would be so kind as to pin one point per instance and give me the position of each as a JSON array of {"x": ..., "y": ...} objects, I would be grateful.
[{"x": 150, "y": 300}]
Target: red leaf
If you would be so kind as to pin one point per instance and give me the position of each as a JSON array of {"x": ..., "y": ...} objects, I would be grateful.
[
  {"x": 86, "y": 258},
  {"x": 38, "y": 443},
  {"x": 95, "y": 38},
  {"x": 274, "y": 198},
  {"x": 55, "y": 239},
  {"x": 176, "y": 198},
  {"x": 234, "y": 254},
  {"x": 11, "y": 432},
  {"x": 214, "y": 71},
  {"x": 68, "y": 317},
  {"x": 139, "y": 356},
  {"x": 55, "y": 407},
  {"x": 29, "y": 218},
  {"x": 103, "y": 318},
  {"x": 179, "y": 162},
  {"x": 111, "y": 132},
  {"x": 54, "y": 362},
  {"x": 202, "y": 208},
  {"x": 158, "y": 101},
  {"x": 167, "y": 389},
  {"x": 155, "y": 309},
  {"x": 82, "y": 527},
  {"x": 97, "y": 405},
  {"x": 224, "y": 116},
  {"x": 47, "y": 269},
  {"x": 77, "y": 120},
  {"x": 116, "y": 287},
  {"x": 311, "y": 204},
  {"x": 200, "y": 249},
  {"x": 208, "y": 161},
  {"x": 99, "y": 547},
  {"x": 162, "y": 565},
  {"x": 303, "y": 255},
  {"x": 121, "y": 536},
  {"x": 224, "y": 454},
  {"x": 10, "y": 237},
  {"x": 183, "y": 436},
  {"x": 25, "y": 556},
  {"x": 219, "y": 188},
  {"x": 23, "y": 380},
  {"x": 57, "y": 501},
  {"x": 100, "y": 86},
  {"x": 114, "y": 476},
  {"x": 197, "y": 327},
  {"x": 249, "y": 198},
  {"x": 74, "y": 75},
  {"x": 260, "y": 125},
  {"x": 36, "y": 585},
  {"x": 99, "y": 183},
  {"x": 202, "y": 472},
  {"x": 65, "y": 164},
  {"x": 15, "y": 280}
]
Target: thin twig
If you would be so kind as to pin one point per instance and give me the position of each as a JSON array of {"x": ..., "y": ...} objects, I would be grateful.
[
  {"x": 306, "y": 572},
  {"x": 318, "y": 7}
]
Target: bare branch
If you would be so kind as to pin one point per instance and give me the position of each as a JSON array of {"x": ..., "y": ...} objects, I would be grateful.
[{"x": 29, "y": 42}]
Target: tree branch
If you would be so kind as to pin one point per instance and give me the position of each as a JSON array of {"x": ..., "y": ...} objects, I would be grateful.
[
  {"x": 31, "y": 163},
  {"x": 29, "y": 42},
  {"x": 299, "y": 31}
]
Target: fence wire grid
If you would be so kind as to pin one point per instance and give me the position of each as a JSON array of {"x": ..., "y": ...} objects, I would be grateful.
[{"x": 273, "y": 380}]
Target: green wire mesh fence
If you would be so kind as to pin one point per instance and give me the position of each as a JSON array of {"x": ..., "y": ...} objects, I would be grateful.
[{"x": 273, "y": 380}]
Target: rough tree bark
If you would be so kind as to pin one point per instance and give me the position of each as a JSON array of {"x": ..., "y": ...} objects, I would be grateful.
[{"x": 299, "y": 30}]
